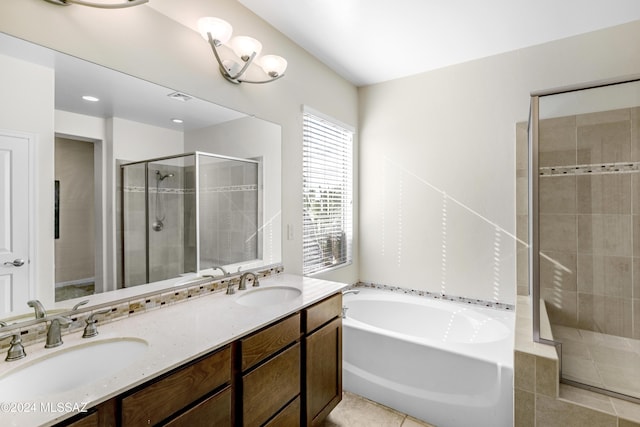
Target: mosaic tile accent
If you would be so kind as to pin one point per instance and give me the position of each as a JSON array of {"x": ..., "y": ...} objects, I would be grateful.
[
  {"x": 36, "y": 331},
  {"x": 433, "y": 295},
  {"x": 594, "y": 169},
  {"x": 222, "y": 189}
]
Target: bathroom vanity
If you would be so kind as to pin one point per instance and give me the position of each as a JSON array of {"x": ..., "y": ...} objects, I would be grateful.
[{"x": 215, "y": 361}]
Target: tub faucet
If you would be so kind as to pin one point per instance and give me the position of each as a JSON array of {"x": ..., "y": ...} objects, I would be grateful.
[
  {"x": 54, "y": 334},
  {"x": 16, "y": 349},
  {"x": 243, "y": 280},
  {"x": 351, "y": 291},
  {"x": 38, "y": 307}
]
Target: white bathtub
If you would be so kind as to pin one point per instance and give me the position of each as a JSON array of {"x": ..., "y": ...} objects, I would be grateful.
[{"x": 447, "y": 363}]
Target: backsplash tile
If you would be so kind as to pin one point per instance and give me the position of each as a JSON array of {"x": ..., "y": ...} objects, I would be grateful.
[{"x": 136, "y": 306}]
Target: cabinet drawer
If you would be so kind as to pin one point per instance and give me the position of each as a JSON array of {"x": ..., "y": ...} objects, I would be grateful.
[
  {"x": 269, "y": 387},
  {"x": 288, "y": 417},
  {"x": 263, "y": 344},
  {"x": 322, "y": 312},
  {"x": 164, "y": 397},
  {"x": 215, "y": 411},
  {"x": 90, "y": 420}
]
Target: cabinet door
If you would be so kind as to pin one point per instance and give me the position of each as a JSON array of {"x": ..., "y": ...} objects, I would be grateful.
[
  {"x": 268, "y": 388},
  {"x": 323, "y": 371}
]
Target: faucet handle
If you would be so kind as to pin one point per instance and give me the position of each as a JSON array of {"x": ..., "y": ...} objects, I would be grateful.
[
  {"x": 75, "y": 307},
  {"x": 16, "y": 349},
  {"x": 91, "y": 330}
]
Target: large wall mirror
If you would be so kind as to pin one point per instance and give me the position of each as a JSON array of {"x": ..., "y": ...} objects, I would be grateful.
[{"x": 132, "y": 122}]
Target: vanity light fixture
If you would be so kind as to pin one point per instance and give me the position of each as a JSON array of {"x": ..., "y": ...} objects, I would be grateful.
[
  {"x": 123, "y": 4},
  {"x": 218, "y": 32}
]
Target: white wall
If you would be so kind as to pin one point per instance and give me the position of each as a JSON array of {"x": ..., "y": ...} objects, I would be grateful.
[
  {"x": 146, "y": 44},
  {"x": 437, "y": 190},
  {"x": 26, "y": 106}
]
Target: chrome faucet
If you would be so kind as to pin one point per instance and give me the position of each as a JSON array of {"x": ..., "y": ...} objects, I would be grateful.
[
  {"x": 54, "y": 334},
  {"x": 243, "y": 280},
  {"x": 217, "y": 267},
  {"x": 230, "y": 290},
  {"x": 16, "y": 349},
  {"x": 38, "y": 307},
  {"x": 91, "y": 330},
  {"x": 346, "y": 292},
  {"x": 75, "y": 307}
]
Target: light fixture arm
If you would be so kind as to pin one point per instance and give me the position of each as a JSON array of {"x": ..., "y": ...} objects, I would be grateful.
[
  {"x": 126, "y": 3},
  {"x": 235, "y": 79}
]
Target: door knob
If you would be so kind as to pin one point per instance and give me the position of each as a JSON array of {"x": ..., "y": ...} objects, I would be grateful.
[{"x": 16, "y": 263}]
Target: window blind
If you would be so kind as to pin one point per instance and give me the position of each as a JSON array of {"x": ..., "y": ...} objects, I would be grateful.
[{"x": 327, "y": 194}]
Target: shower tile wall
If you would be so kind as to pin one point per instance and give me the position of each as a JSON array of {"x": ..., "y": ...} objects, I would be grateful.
[
  {"x": 228, "y": 213},
  {"x": 165, "y": 247},
  {"x": 590, "y": 221}
]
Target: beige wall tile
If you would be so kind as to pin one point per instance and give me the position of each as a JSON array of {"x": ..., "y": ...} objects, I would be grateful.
[
  {"x": 562, "y": 306},
  {"x": 547, "y": 376},
  {"x": 558, "y": 413},
  {"x": 557, "y": 142},
  {"x": 604, "y": 143},
  {"x": 636, "y": 318},
  {"x": 558, "y": 233},
  {"x": 627, "y": 410},
  {"x": 524, "y": 371},
  {"x": 607, "y": 193},
  {"x": 635, "y": 221},
  {"x": 524, "y": 409},
  {"x": 522, "y": 146},
  {"x": 558, "y": 270},
  {"x": 557, "y": 194},
  {"x": 604, "y": 234},
  {"x": 635, "y": 134},
  {"x": 587, "y": 398},
  {"x": 605, "y": 275},
  {"x": 608, "y": 315},
  {"x": 627, "y": 423},
  {"x": 600, "y": 117}
]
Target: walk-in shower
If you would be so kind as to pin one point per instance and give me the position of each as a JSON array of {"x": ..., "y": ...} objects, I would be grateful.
[
  {"x": 584, "y": 232},
  {"x": 187, "y": 213}
]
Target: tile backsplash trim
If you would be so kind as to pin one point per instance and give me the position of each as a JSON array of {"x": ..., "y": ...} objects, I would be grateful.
[
  {"x": 36, "y": 332},
  {"x": 433, "y": 295}
]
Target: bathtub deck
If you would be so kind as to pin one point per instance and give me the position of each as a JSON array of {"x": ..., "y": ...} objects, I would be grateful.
[{"x": 356, "y": 411}]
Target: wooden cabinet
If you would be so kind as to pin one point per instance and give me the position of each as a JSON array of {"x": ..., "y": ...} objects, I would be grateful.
[
  {"x": 323, "y": 359},
  {"x": 287, "y": 374},
  {"x": 270, "y": 371},
  {"x": 165, "y": 397}
]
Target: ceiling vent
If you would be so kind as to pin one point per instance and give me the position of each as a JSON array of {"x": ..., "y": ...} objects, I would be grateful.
[{"x": 178, "y": 96}]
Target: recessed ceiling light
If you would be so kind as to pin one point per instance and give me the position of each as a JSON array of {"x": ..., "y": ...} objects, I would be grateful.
[
  {"x": 177, "y": 120},
  {"x": 90, "y": 98}
]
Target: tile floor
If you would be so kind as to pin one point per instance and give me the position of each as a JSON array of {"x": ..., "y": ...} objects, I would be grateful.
[
  {"x": 600, "y": 360},
  {"x": 356, "y": 411}
]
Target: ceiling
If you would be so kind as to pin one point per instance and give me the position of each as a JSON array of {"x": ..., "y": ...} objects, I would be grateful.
[
  {"x": 371, "y": 41},
  {"x": 120, "y": 95}
]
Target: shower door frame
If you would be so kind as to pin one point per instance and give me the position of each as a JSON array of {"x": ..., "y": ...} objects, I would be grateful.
[
  {"x": 534, "y": 218},
  {"x": 197, "y": 155}
]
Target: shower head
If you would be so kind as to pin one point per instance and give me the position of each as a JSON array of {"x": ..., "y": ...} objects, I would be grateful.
[{"x": 161, "y": 177}]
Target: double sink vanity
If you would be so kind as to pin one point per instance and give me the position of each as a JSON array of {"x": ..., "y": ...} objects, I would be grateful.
[{"x": 269, "y": 355}]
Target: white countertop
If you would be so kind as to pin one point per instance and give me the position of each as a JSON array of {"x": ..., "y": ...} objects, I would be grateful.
[{"x": 176, "y": 335}]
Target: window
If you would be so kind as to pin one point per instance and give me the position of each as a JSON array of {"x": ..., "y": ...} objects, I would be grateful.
[{"x": 327, "y": 194}]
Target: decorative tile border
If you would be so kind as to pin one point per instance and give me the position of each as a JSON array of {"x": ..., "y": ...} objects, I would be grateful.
[
  {"x": 36, "y": 331},
  {"x": 433, "y": 295},
  {"x": 225, "y": 189},
  {"x": 594, "y": 169}
]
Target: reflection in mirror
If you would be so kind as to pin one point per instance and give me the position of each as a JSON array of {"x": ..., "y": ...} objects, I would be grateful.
[
  {"x": 133, "y": 120},
  {"x": 188, "y": 213}
]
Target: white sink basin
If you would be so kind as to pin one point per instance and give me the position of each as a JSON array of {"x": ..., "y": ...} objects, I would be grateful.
[
  {"x": 268, "y": 296},
  {"x": 69, "y": 368}
]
